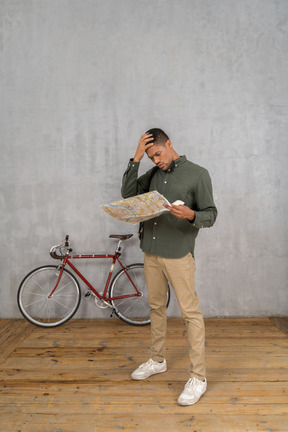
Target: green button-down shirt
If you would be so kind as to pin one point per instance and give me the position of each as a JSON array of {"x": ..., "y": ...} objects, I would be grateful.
[{"x": 168, "y": 236}]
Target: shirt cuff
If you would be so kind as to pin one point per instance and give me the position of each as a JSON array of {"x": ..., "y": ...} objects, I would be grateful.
[
  {"x": 133, "y": 164},
  {"x": 194, "y": 221},
  {"x": 197, "y": 223}
]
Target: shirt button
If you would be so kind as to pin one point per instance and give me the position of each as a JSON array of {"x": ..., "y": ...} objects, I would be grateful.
[
  {"x": 165, "y": 181},
  {"x": 155, "y": 223},
  {"x": 154, "y": 238}
]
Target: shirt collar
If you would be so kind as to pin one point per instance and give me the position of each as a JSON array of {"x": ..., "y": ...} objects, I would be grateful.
[{"x": 177, "y": 162}]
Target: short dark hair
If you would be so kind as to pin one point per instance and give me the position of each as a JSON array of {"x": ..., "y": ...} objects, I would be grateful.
[{"x": 159, "y": 136}]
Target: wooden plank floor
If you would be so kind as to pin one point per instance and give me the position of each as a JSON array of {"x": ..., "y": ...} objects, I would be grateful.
[{"x": 77, "y": 378}]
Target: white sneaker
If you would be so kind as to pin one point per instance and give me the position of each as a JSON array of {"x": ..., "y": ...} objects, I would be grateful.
[
  {"x": 193, "y": 390},
  {"x": 149, "y": 368}
]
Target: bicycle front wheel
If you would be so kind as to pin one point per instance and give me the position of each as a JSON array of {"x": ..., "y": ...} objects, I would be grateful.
[
  {"x": 132, "y": 310},
  {"x": 36, "y": 305}
]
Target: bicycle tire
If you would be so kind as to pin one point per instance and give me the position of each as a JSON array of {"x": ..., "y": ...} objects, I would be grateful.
[
  {"x": 132, "y": 310},
  {"x": 33, "y": 300}
]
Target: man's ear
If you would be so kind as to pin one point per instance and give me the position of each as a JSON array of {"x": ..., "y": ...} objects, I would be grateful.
[{"x": 169, "y": 143}]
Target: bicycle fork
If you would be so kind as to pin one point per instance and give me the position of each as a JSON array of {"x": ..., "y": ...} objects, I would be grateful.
[{"x": 60, "y": 269}]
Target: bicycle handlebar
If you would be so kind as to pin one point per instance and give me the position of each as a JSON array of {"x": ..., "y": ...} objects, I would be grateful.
[
  {"x": 59, "y": 251},
  {"x": 54, "y": 250}
]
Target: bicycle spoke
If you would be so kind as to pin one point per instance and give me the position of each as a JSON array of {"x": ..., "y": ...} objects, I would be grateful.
[
  {"x": 36, "y": 294},
  {"x": 67, "y": 295},
  {"x": 61, "y": 304},
  {"x": 40, "y": 286},
  {"x": 61, "y": 288},
  {"x": 33, "y": 303},
  {"x": 127, "y": 308}
]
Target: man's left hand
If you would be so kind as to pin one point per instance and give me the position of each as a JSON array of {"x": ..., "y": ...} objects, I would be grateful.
[{"x": 181, "y": 211}]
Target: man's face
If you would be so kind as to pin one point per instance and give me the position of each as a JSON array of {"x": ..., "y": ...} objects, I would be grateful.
[{"x": 162, "y": 156}]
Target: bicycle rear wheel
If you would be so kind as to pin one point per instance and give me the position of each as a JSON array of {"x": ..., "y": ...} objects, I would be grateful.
[
  {"x": 33, "y": 296},
  {"x": 132, "y": 310}
]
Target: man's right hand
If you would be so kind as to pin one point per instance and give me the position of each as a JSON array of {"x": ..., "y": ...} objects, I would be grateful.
[{"x": 143, "y": 146}]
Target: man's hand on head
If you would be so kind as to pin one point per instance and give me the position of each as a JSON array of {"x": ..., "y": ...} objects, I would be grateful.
[{"x": 143, "y": 146}]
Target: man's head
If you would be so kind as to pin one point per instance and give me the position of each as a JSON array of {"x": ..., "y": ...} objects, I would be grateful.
[
  {"x": 161, "y": 152},
  {"x": 159, "y": 137}
]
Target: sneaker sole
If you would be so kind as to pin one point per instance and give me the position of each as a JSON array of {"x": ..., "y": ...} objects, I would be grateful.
[
  {"x": 154, "y": 373},
  {"x": 187, "y": 403}
]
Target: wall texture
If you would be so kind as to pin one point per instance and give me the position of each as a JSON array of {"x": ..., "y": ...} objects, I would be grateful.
[{"x": 81, "y": 80}]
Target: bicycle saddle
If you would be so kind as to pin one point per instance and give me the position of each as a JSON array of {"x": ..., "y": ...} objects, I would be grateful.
[{"x": 120, "y": 236}]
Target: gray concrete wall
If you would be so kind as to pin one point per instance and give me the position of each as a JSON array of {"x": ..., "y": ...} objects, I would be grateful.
[{"x": 81, "y": 80}]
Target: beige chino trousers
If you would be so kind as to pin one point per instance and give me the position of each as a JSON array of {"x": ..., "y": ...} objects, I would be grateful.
[{"x": 180, "y": 273}]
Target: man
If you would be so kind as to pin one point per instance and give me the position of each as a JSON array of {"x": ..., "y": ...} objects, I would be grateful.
[{"x": 168, "y": 245}]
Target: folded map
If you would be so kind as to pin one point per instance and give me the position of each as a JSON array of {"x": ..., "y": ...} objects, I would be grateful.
[{"x": 137, "y": 208}]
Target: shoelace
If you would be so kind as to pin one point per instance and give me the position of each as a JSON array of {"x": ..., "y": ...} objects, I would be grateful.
[
  {"x": 148, "y": 363},
  {"x": 191, "y": 383}
]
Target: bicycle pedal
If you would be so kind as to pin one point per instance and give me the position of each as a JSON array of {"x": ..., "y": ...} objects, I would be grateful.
[{"x": 88, "y": 294}]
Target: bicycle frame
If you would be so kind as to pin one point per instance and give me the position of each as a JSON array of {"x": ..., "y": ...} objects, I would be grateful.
[{"x": 115, "y": 258}]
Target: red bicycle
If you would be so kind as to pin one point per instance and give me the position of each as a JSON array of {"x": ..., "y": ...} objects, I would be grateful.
[{"x": 50, "y": 295}]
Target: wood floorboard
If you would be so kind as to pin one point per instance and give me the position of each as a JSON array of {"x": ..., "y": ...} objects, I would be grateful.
[
  {"x": 77, "y": 378},
  {"x": 281, "y": 324}
]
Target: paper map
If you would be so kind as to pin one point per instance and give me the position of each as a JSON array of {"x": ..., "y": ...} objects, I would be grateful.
[{"x": 138, "y": 208}]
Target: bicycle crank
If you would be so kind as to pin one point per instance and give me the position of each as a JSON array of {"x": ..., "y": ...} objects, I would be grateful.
[{"x": 102, "y": 304}]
